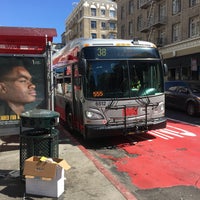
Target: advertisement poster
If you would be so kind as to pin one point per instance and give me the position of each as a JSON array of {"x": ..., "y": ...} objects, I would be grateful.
[{"x": 22, "y": 88}]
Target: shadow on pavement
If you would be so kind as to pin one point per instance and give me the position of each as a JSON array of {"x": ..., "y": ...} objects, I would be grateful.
[
  {"x": 9, "y": 143},
  {"x": 12, "y": 184}
]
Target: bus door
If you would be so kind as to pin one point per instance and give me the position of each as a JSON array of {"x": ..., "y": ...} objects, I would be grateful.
[{"x": 77, "y": 92}]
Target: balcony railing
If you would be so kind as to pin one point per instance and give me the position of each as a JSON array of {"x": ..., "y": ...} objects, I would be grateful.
[
  {"x": 161, "y": 41},
  {"x": 145, "y": 3},
  {"x": 112, "y": 30},
  {"x": 154, "y": 22},
  {"x": 159, "y": 21}
]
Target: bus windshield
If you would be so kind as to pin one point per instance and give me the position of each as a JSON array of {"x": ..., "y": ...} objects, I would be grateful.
[{"x": 123, "y": 78}]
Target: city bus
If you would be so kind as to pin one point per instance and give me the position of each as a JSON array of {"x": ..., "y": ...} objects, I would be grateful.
[
  {"x": 109, "y": 87},
  {"x": 31, "y": 48}
]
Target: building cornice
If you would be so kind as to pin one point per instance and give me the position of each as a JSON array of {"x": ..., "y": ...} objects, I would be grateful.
[{"x": 185, "y": 47}]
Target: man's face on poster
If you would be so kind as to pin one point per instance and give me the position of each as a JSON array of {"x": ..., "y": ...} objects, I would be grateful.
[{"x": 17, "y": 86}]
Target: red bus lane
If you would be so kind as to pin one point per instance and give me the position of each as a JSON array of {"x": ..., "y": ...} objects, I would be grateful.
[{"x": 172, "y": 158}]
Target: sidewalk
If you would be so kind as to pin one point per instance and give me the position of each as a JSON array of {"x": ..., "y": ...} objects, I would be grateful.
[{"x": 83, "y": 180}]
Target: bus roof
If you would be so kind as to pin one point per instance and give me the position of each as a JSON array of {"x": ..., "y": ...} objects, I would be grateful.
[
  {"x": 25, "y": 40},
  {"x": 76, "y": 45},
  {"x": 82, "y": 42}
]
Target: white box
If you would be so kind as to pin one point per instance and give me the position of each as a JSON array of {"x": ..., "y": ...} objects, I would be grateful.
[{"x": 43, "y": 178}]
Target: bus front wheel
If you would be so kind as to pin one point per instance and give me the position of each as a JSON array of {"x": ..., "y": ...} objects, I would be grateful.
[{"x": 69, "y": 119}]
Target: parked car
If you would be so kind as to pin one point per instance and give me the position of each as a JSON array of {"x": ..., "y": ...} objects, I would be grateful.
[{"x": 183, "y": 95}]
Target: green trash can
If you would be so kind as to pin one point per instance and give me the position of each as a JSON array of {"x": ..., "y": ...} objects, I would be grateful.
[
  {"x": 39, "y": 118},
  {"x": 38, "y": 135}
]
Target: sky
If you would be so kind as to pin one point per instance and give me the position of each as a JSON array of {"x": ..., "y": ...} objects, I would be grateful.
[{"x": 37, "y": 14}]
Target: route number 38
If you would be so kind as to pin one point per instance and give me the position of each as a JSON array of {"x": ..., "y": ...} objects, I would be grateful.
[{"x": 101, "y": 52}]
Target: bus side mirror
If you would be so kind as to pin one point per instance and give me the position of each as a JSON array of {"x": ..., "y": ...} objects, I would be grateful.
[
  {"x": 165, "y": 69},
  {"x": 82, "y": 66}
]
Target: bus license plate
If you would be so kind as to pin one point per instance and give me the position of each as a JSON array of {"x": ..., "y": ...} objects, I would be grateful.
[{"x": 130, "y": 111}]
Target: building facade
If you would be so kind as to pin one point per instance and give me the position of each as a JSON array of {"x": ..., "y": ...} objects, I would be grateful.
[
  {"x": 92, "y": 19},
  {"x": 173, "y": 25}
]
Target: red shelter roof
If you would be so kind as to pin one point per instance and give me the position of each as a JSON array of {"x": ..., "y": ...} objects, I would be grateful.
[{"x": 25, "y": 40}]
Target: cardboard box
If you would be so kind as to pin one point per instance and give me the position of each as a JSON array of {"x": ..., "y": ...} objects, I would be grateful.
[{"x": 43, "y": 177}]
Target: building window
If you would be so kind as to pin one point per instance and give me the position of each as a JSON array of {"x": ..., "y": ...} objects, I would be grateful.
[
  {"x": 162, "y": 11},
  {"x": 194, "y": 2},
  {"x": 138, "y": 4},
  {"x": 103, "y": 25},
  {"x": 194, "y": 26},
  {"x": 93, "y": 24},
  {"x": 140, "y": 25},
  {"x": 112, "y": 26},
  {"x": 176, "y": 6},
  {"x": 176, "y": 32},
  {"x": 112, "y": 36},
  {"x": 81, "y": 13},
  {"x": 93, "y": 35},
  {"x": 81, "y": 26},
  {"x": 122, "y": 13},
  {"x": 103, "y": 12},
  {"x": 131, "y": 7},
  {"x": 161, "y": 38},
  {"x": 103, "y": 36},
  {"x": 93, "y": 11},
  {"x": 130, "y": 29},
  {"x": 112, "y": 12},
  {"x": 123, "y": 32}
]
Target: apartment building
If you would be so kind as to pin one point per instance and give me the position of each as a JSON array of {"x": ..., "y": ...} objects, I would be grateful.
[
  {"x": 92, "y": 19},
  {"x": 173, "y": 25}
]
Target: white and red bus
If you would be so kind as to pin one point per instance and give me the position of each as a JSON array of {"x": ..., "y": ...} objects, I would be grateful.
[
  {"x": 32, "y": 47},
  {"x": 110, "y": 86}
]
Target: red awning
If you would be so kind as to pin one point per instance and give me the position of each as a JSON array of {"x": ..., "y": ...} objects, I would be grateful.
[{"x": 25, "y": 40}]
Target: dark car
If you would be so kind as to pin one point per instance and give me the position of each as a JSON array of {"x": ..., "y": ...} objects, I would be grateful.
[{"x": 183, "y": 95}]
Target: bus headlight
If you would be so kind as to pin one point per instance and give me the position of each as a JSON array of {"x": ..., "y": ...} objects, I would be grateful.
[
  {"x": 162, "y": 107},
  {"x": 93, "y": 115}
]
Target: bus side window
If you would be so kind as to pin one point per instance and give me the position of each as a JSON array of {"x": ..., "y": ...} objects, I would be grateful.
[
  {"x": 67, "y": 88},
  {"x": 59, "y": 89}
]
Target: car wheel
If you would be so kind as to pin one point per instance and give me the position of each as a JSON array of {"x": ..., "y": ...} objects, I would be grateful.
[{"x": 190, "y": 109}]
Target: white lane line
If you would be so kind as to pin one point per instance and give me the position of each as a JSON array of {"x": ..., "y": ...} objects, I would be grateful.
[
  {"x": 161, "y": 135},
  {"x": 171, "y": 132},
  {"x": 183, "y": 132}
]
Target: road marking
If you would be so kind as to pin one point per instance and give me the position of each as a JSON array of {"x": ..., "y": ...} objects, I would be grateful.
[
  {"x": 183, "y": 132},
  {"x": 171, "y": 132},
  {"x": 161, "y": 135}
]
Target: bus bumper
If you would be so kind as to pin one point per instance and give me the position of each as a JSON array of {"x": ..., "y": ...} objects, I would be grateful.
[{"x": 122, "y": 129}]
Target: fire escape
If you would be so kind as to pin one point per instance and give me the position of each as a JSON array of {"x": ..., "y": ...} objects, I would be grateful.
[
  {"x": 154, "y": 19},
  {"x": 150, "y": 19}
]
